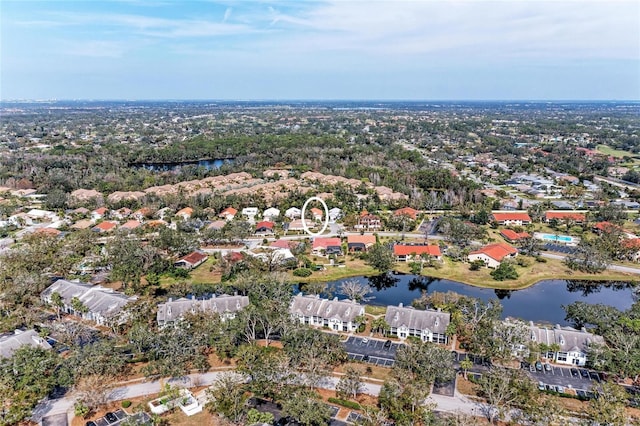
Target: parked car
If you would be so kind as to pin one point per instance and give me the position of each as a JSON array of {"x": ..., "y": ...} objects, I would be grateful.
[
  {"x": 541, "y": 386},
  {"x": 111, "y": 418},
  {"x": 387, "y": 344},
  {"x": 547, "y": 366},
  {"x": 560, "y": 389},
  {"x": 532, "y": 368},
  {"x": 575, "y": 372},
  {"x": 538, "y": 366},
  {"x": 90, "y": 423},
  {"x": 594, "y": 376},
  {"x": 584, "y": 373}
]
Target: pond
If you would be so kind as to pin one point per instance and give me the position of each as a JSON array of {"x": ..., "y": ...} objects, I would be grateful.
[
  {"x": 210, "y": 164},
  {"x": 541, "y": 302}
]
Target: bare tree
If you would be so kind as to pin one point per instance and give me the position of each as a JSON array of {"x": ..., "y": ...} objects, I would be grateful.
[
  {"x": 355, "y": 290},
  {"x": 93, "y": 391}
]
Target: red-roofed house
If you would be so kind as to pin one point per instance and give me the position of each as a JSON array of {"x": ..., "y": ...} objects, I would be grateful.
[
  {"x": 511, "y": 218},
  {"x": 633, "y": 246},
  {"x": 285, "y": 244},
  {"x": 52, "y": 232},
  {"x": 405, "y": 252},
  {"x": 104, "y": 227},
  {"x": 265, "y": 227},
  {"x": 368, "y": 221},
  {"x": 600, "y": 227},
  {"x": 316, "y": 213},
  {"x": 99, "y": 213},
  {"x": 185, "y": 213},
  {"x": 360, "y": 242},
  {"x": 229, "y": 213},
  {"x": 324, "y": 245},
  {"x": 576, "y": 217},
  {"x": 512, "y": 236},
  {"x": 493, "y": 254},
  {"x": 192, "y": 260},
  {"x": 131, "y": 225},
  {"x": 142, "y": 214},
  {"x": 407, "y": 211}
]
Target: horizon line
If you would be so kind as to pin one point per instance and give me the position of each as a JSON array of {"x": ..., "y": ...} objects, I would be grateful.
[{"x": 307, "y": 100}]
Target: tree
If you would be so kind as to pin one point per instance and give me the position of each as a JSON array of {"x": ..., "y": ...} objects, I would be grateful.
[
  {"x": 530, "y": 246},
  {"x": 228, "y": 397},
  {"x": 57, "y": 302},
  {"x": 381, "y": 258},
  {"x": 504, "y": 388},
  {"x": 423, "y": 363},
  {"x": 588, "y": 257},
  {"x": 505, "y": 271},
  {"x": 355, "y": 290},
  {"x": 380, "y": 325},
  {"x": 78, "y": 306},
  {"x": 609, "y": 406},
  {"x": 256, "y": 417},
  {"x": 304, "y": 406},
  {"x": 350, "y": 384},
  {"x": 466, "y": 364},
  {"x": 267, "y": 368},
  {"x": 93, "y": 391}
]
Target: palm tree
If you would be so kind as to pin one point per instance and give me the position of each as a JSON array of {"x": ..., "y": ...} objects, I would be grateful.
[
  {"x": 56, "y": 301},
  {"x": 381, "y": 326}
]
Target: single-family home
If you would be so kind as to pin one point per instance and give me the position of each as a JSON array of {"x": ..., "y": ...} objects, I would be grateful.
[
  {"x": 192, "y": 260},
  {"x": 271, "y": 214},
  {"x": 601, "y": 227},
  {"x": 337, "y": 315},
  {"x": 228, "y": 214},
  {"x": 511, "y": 218},
  {"x": 101, "y": 304},
  {"x": 368, "y": 222},
  {"x": 575, "y": 217},
  {"x": 326, "y": 246},
  {"x": 130, "y": 225},
  {"x": 105, "y": 226},
  {"x": 429, "y": 325},
  {"x": 293, "y": 213},
  {"x": 11, "y": 342},
  {"x": 42, "y": 215},
  {"x": 250, "y": 213},
  {"x": 572, "y": 344},
  {"x": 99, "y": 213},
  {"x": 51, "y": 232},
  {"x": 406, "y": 252},
  {"x": 265, "y": 227},
  {"x": 297, "y": 226},
  {"x": 122, "y": 213},
  {"x": 360, "y": 242},
  {"x": 316, "y": 213},
  {"x": 80, "y": 211},
  {"x": 225, "y": 305},
  {"x": 407, "y": 211},
  {"x": 185, "y": 213},
  {"x": 216, "y": 225},
  {"x": 334, "y": 214},
  {"x": 142, "y": 214},
  {"x": 493, "y": 254},
  {"x": 513, "y": 236}
]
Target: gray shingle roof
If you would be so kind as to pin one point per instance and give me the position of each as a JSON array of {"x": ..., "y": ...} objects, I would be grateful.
[
  {"x": 434, "y": 321},
  {"x": 569, "y": 339},
  {"x": 98, "y": 300},
  {"x": 11, "y": 342},
  {"x": 313, "y": 305},
  {"x": 175, "y": 309}
]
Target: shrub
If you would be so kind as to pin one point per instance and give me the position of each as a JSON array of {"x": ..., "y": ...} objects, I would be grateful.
[
  {"x": 302, "y": 272},
  {"x": 541, "y": 259},
  {"x": 345, "y": 403},
  {"x": 81, "y": 410},
  {"x": 126, "y": 404}
]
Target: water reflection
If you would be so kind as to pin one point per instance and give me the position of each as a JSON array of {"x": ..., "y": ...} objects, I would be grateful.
[
  {"x": 589, "y": 287},
  {"x": 502, "y": 294},
  {"x": 380, "y": 282}
]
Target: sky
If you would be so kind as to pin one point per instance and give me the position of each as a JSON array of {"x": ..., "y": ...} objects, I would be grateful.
[{"x": 324, "y": 50}]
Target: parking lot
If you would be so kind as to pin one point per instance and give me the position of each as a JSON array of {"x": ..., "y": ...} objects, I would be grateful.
[
  {"x": 580, "y": 378},
  {"x": 560, "y": 248},
  {"x": 373, "y": 351},
  {"x": 445, "y": 388},
  {"x": 119, "y": 416}
]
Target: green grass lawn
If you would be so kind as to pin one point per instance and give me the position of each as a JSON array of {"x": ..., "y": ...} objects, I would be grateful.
[{"x": 618, "y": 153}]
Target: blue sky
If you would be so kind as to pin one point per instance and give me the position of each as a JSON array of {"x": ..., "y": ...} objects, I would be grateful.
[{"x": 423, "y": 50}]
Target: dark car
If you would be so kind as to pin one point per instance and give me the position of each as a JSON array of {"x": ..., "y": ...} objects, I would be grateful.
[
  {"x": 111, "y": 418},
  {"x": 365, "y": 358},
  {"x": 584, "y": 373},
  {"x": 575, "y": 372},
  {"x": 90, "y": 423},
  {"x": 387, "y": 344},
  {"x": 594, "y": 376},
  {"x": 538, "y": 366}
]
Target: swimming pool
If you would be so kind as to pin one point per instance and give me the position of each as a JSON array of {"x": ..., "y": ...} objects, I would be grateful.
[{"x": 556, "y": 238}]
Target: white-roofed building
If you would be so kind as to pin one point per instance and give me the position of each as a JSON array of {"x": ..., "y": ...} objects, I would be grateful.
[
  {"x": 572, "y": 344},
  {"x": 9, "y": 343},
  {"x": 225, "y": 305},
  {"x": 429, "y": 325},
  {"x": 337, "y": 315}
]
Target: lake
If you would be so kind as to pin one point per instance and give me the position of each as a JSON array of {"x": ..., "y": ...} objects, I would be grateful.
[
  {"x": 211, "y": 164},
  {"x": 541, "y": 302}
]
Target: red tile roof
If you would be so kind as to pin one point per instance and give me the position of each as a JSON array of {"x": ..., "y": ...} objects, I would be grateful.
[
  {"x": 265, "y": 224},
  {"x": 631, "y": 243},
  {"x": 228, "y": 211},
  {"x": 407, "y": 211},
  {"x": 324, "y": 242},
  {"x": 604, "y": 226},
  {"x": 513, "y": 235},
  {"x": 497, "y": 251},
  {"x": 187, "y": 211},
  {"x": 406, "y": 250},
  {"x": 500, "y": 217},
  {"x": 194, "y": 258},
  {"x": 48, "y": 231},
  {"x": 105, "y": 226},
  {"x": 131, "y": 224},
  {"x": 579, "y": 217},
  {"x": 363, "y": 239}
]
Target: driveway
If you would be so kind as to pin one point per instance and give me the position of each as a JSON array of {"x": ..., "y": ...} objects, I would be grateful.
[{"x": 373, "y": 351}]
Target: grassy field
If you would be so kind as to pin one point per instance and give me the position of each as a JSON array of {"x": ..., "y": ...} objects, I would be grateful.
[{"x": 617, "y": 153}]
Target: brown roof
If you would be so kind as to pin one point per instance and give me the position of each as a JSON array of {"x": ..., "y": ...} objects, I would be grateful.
[
  {"x": 194, "y": 258},
  {"x": 105, "y": 226},
  {"x": 406, "y": 250},
  {"x": 579, "y": 217},
  {"x": 499, "y": 217},
  {"x": 513, "y": 235},
  {"x": 367, "y": 239},
  {"x": 497, "y": 251},
  {"x": 407, "y": 211}
]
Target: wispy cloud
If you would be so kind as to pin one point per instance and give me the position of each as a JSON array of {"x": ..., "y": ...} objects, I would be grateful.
[
  {"x": 94, "y": 48},
  {"x": 227, "y": 14}
]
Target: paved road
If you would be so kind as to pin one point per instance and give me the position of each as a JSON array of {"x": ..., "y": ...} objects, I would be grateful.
[{"x": 619, "y": 268}]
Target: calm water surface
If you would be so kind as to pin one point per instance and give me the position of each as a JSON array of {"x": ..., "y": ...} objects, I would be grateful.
[{"x": 541, "y": 302}]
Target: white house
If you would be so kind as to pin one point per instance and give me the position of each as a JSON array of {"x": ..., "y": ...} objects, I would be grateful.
[
  {"x": 271, "y": 214},
  {"x": 293, "y": 213},
  {"x": 573, "y": 344},
  {"x": 429, "y": 325},
  {"x": 493, "y": 254},
  {"x": 224, "y": 305},
  {"x": 250, "y": 212},
  {"x": 102, "y": 304},
  {"x": 334, "y": 214},
  {"x": 337, "y": 315},
  {"x": 9, "y": 343}
]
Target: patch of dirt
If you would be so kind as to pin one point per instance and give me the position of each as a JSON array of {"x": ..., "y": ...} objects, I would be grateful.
[{"x": 466, "y": 387}]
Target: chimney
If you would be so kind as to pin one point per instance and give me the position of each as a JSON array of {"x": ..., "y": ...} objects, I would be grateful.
[{"x": 400, "y": 305}]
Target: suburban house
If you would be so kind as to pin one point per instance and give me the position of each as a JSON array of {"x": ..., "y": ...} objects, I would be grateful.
[
  {"x": 493, "y": 254},
  {"x": 185, "y": 213},
  {"x": 511, "y": 218},
  {"x": 271, "y": 214},
  {"x": 265, "y": 227},
  {"x": 360, "y": 242},
  {"x": 102, "y": 304},
  {"x": 296, "y": 225},
  {"x": 578, "y": 218},
  {"x": 572, "y": 344},
  {"x": 130, "y": 225},
  {"x": 429, "y": 325},
  {"x": 142, "y": 214},
  {"x": 216, "y": 225},
  {"x": 105, "y": 226},
  {"x": 368, "y": 222},
  {"x": 224, "y": 305},
  {"x": 407, "y": 211},
  {"x": 325, "y": 245},
  {"x": 250, "y": 213},
  {"x": 122, "y": 213},
  {"x": 316, "y": 213},
  {"x": 601, "y": 227},
  {"x": 334, "y": 214},
  {"x": 228, "y": 214},
  {"x": 9, "y": 343},
  {"x": 513, "y": 236},
  {"x": 99, "y": 213},
  {"x": 192, "y": 260},
  {"x": 51, "y": 232},
  {"x": 337, "y": 315},
  {"x": 632, "y": 245},
  {"x": 406, "y": 252},
  {"x": 293, "y": 213}
]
